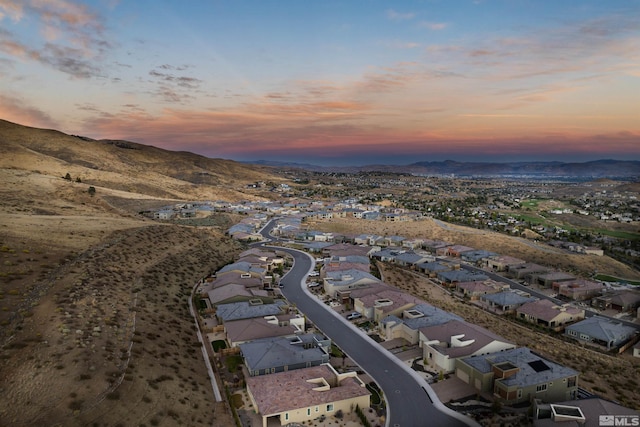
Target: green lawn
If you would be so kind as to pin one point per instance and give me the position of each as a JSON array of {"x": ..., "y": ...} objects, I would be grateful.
[{"x": 607, "y": 278}]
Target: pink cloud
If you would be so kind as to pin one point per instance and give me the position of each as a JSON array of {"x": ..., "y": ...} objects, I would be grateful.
[{"x": 19, "y": 111}]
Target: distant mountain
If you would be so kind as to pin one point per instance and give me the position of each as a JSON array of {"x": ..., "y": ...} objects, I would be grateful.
[{"x": 625, "y": 169}]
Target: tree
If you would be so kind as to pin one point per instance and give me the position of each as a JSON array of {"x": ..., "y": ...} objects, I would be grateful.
[
  {"x": 78, "y": 179},
  {"x": 67, "y": 176},
  {"x": 92, "y": 191}
]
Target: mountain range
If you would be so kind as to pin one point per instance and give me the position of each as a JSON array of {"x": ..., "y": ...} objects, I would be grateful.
[{"x": 607, "y": 168}]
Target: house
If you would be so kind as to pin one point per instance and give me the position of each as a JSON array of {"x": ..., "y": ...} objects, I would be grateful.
[
  {"x": 478, "y": 256},
  {"x": 578, "y": 289},
  {"x": 548, "y": 279},
  {"x": 474, "y": 290},
  {"x": 585, "y": 412},
  {"x": 302, "y": 395},
  {"x": 433, "y": 246},
  {"x": 407, "y": 326},
  {"x": 340, "y": 281},
  {"x": 527, "y": 271},
  {"x": 236, "y": 292},
  {"x": 248, "y": 309},
  {"x": 410, "y": 259},
  {"x": 505, "y": 302},
  {"x": 451, "y": 278},
  {"x": 431, "y": 269},
  {"x": 502, "y": 262},
  {"x": 621, "y": 301},
  {"x": 443, "y": 344},
  {"x": 244, "y": 330},
  {"x": 602, "y": 331},
  {"x": 548, "y": 314},
  {"x": 455, "y": 251},
  {"x": 378, "y": 302},
  {"x": 518, "y": 375},
  {"x": 344, "y": 249},
  {"x": 280, "y": 354}
]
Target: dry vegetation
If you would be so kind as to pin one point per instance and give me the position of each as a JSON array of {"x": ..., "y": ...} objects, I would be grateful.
[{"x": 94, "y": 322}]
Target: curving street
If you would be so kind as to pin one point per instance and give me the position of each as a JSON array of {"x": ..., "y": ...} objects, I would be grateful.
[{"x": 410, "y": 400}]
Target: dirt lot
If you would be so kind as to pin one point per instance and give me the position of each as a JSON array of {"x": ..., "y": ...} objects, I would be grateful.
[{"x": 95, "y": 322}]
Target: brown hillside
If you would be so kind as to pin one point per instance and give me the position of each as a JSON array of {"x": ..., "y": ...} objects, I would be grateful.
[{"x": 125, "y": 166}]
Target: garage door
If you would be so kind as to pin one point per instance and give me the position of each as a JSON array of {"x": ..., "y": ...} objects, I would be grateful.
[{"x": 462, "y": 375}]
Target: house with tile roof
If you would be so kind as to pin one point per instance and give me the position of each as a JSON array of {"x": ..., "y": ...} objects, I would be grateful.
[
  {"x": 341, "y": 281},
  {"x": 527, "y": 271},
  {"x": 578, "y": 289},
  {"x": 380, "y": 301},
  {"x": 518, "y": 375},
  {"x": 306, "y": 394},
  {"x": 548, "y": 279},
  {"x": 249, "y": 309},
  {"x": 502, "y": 262},
  {"x": 443, "y": 344},
  {"x": 627, "y": 300},
  {"x": 548, "y": 314},
  {"x": 505, "y": 302},
  {"x": 453, "y": 277},
  {"x": 602, "y": 331},
  {"x": 474, "y": 290},
  {"x": 244, "y": 330},
  {"x": 407, "y": 326},
  {"x": 279, "y": 354}
]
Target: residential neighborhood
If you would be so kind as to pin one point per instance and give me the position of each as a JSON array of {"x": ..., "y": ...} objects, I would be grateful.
[{"x": 249, "y": 318}]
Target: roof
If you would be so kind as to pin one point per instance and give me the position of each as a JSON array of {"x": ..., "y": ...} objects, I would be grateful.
[
  {"x": 431, "y": 316},
  {"x": 434, "y": 266},
  {"x": 231, "y": 290},
  {"x": 472, "y": 337},
  {"x": 592, "y": 408},
  {"x": 461, "y": 276},
  {"x": 507, "y": 298},
  {"x": 533, "y": 369},
  {"x": 476, "y": 255},
  {"x": 604, "y": 329},
  {"x": 545, "y": 309},
  {"x": 296, "y": 391},
  {"x": 557, "y": 276},
  {"x": 256, "y": 328},
  {"x": 246, "y": 310},
  {"x": 273, "y": 352}
]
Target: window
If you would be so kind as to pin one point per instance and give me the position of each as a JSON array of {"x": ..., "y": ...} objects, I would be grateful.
[
  {"x": 519, "y": 393},
  {"x": 541, "y": 387},
  {"x": 286, "y": 415},
  {"x": 317, "y": 409},
  {"x": 330, "y": 407},
  {"x": 308, "y": 411}
]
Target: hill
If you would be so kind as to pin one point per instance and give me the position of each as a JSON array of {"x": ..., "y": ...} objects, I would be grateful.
[
  {"x": 94, "y": 323},
  {"x": 123, "y": 166}
]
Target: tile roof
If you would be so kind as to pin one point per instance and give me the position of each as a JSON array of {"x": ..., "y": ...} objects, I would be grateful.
[{"x": 296, "y": 391}]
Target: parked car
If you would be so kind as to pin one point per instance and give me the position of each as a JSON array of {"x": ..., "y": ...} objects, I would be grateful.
[{"x": 354, "y": 315}]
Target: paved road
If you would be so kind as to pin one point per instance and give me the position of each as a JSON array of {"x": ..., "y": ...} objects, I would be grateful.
[{"x": 410, "y": 400}]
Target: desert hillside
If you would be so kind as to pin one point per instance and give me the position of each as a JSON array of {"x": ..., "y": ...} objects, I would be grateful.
[
  {"x": 125, "y": 166},
  {"x": 94, "y": 322}
]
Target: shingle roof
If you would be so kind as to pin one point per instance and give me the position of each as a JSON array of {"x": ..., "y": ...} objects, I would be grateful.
[
  {"x": 273, "y": 352},
  {"x": 604, "y": 329},
  {"x": 245, "y": 310}
]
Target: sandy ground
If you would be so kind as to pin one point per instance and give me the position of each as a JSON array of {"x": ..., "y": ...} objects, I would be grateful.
[{"x": 95, "y": 322}]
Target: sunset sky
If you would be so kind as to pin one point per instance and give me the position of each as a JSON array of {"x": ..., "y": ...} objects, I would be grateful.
[{"x": 329, "y": 82}]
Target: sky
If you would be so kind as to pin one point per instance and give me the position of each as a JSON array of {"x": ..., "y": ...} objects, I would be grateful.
[{"x": 328, "y": 82}]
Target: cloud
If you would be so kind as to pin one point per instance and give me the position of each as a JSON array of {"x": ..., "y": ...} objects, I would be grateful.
[
  {"x": 434, "y": 26},
  {"x": 19, "y": 111},
  {"x": 73, "y": 36},
  {"x": 399, "y": 16},
  {"x": 13, "y": 9}
]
